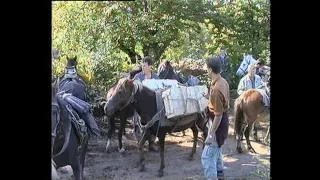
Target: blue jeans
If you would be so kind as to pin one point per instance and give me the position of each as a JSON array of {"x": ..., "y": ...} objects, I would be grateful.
[{"x": 211, "y": 160}]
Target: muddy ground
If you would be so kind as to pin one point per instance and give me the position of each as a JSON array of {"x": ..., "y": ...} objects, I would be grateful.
[{"x": 101, "y": 165}]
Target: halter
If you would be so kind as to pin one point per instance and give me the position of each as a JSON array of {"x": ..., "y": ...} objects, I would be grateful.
[{"x": 136, "y": 86}]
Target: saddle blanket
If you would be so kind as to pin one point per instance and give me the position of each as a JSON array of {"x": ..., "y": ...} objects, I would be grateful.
[
  {"x": 266, "y": 99},
  {"x": 172, "y": 121}
]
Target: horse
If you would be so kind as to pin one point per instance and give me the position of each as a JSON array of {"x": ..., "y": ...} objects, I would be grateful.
[
  {"x": 249, "y": 106},
  {"x": 73, "y": 83},
  {"x": 144, "y": 101},
  {"x": 246, "y": 61},
  {"x": 122, "y": 114},
  {"x": 165, "y": 71},
  {"x": 70, "y": 135}
]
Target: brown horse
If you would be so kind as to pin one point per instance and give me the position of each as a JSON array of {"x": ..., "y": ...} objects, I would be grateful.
[
  {"x": 249, "y": 106},
  {"x": 122, "y": 114},
  {"x": 145, "y": 104}
]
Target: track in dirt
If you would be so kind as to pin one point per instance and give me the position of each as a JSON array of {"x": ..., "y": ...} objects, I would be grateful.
[{"x": 101, "y": 165}]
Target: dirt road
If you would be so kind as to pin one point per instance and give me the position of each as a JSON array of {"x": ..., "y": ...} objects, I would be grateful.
[{"x": 101, "y": 165}]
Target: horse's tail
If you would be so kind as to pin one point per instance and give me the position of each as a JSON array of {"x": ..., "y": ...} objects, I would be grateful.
[{"x": 238, "y": 115}]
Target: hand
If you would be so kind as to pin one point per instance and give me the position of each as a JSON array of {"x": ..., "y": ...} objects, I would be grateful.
[{"x": 205, "y": 95}]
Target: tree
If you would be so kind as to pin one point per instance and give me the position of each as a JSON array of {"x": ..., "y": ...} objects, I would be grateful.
[{"x": 155, "y": 25}]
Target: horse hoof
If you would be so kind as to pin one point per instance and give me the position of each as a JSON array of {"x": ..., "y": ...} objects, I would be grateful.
[
  {"x": 239, "y": 149},
  {"x": 153, "y": 148},
  {"x": 108, "y": 145},
  {"x": 142, "y": 168},
  {"x": 122, "y": 150},
  {"x": 160, "y": 173},
  {"x": 190, "y": 158},
  {"x": 252, "y": 150}
]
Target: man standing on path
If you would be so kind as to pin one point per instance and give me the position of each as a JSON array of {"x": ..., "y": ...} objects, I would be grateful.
[
  {"x": 218, "y": 124},
  {"x": 225, "y": 64}
]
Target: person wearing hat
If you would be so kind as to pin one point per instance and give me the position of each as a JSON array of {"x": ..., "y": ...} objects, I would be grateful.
[
  {"x": 218, "y": 123},
  {"x": 225, "y": 62},
  {"x": 261, "y": 68}
]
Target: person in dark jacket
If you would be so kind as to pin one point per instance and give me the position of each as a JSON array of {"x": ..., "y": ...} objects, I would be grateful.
[{"x": 225, "y": 64}]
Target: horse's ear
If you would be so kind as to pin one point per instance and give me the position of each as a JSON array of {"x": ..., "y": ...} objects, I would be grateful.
[
  {"x": 67, "y": 57},
  {"x": 129, "y": 83},
  {"x": 75, "y": 57}
]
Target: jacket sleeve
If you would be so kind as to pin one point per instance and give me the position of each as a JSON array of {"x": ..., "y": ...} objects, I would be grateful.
[
  {"x": 258, "y": 81},
  {"x": 241, "y": 86},
  {"x": 155, "y": 76},
  {"x": 137, "y": 76}
]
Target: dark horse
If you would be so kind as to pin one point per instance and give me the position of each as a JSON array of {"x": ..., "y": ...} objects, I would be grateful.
[
  {"x": 165, "y": 71},
  {"x": 122, "y": 114},
  {"x": 68, "y": 146},
  {"x": 145, "y": 104}
]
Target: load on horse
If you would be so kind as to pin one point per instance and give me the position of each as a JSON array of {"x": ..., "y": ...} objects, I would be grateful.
[{"x": 154, "y": 108}]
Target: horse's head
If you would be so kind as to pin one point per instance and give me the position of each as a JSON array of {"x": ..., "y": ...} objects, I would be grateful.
[
  {"x": 165, "y": 71},
  {"x": 72, "y": 61},
  {"x": 121, "y": 95},
  {"x": 247, "y": 60}
]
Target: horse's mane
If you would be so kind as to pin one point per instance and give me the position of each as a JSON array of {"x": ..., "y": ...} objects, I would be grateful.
[{"x": 139, "y": 87}]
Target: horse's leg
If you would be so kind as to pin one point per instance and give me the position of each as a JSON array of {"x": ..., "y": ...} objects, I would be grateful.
[
  {"x": 267, "y": 135},
  {"x": 111, "y": 128},
  {"x": 255, "y": 129},
  {"x": 195, "y": 141},
  {"x": 152, "y": 145},
  {"x": 123, "y": 121},
  {"x": 83, "y": 156},
  {"x": 240, "y": 136},
  {"x": 76, "y": 168},
  {"x": 247, "y": 135},
  {"x": 162, "y": 135},
  {"x": 141, "y": 152}
]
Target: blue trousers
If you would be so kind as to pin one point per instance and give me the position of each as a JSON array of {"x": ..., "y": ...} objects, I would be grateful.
[{"x": 211, "y": 160}]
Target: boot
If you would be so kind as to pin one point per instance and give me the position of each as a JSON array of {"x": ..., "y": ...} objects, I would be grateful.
[{"x": 220, "y": 175}]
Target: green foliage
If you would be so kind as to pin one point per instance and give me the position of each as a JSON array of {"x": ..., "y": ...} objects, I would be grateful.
[{"x": 107, "y": 36}]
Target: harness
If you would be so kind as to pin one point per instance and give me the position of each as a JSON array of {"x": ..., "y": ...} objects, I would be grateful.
[
  {"x": 53, "y": 134},
  {"x": 76, "y": 121},
  {"x": 79, "y": 124}
]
